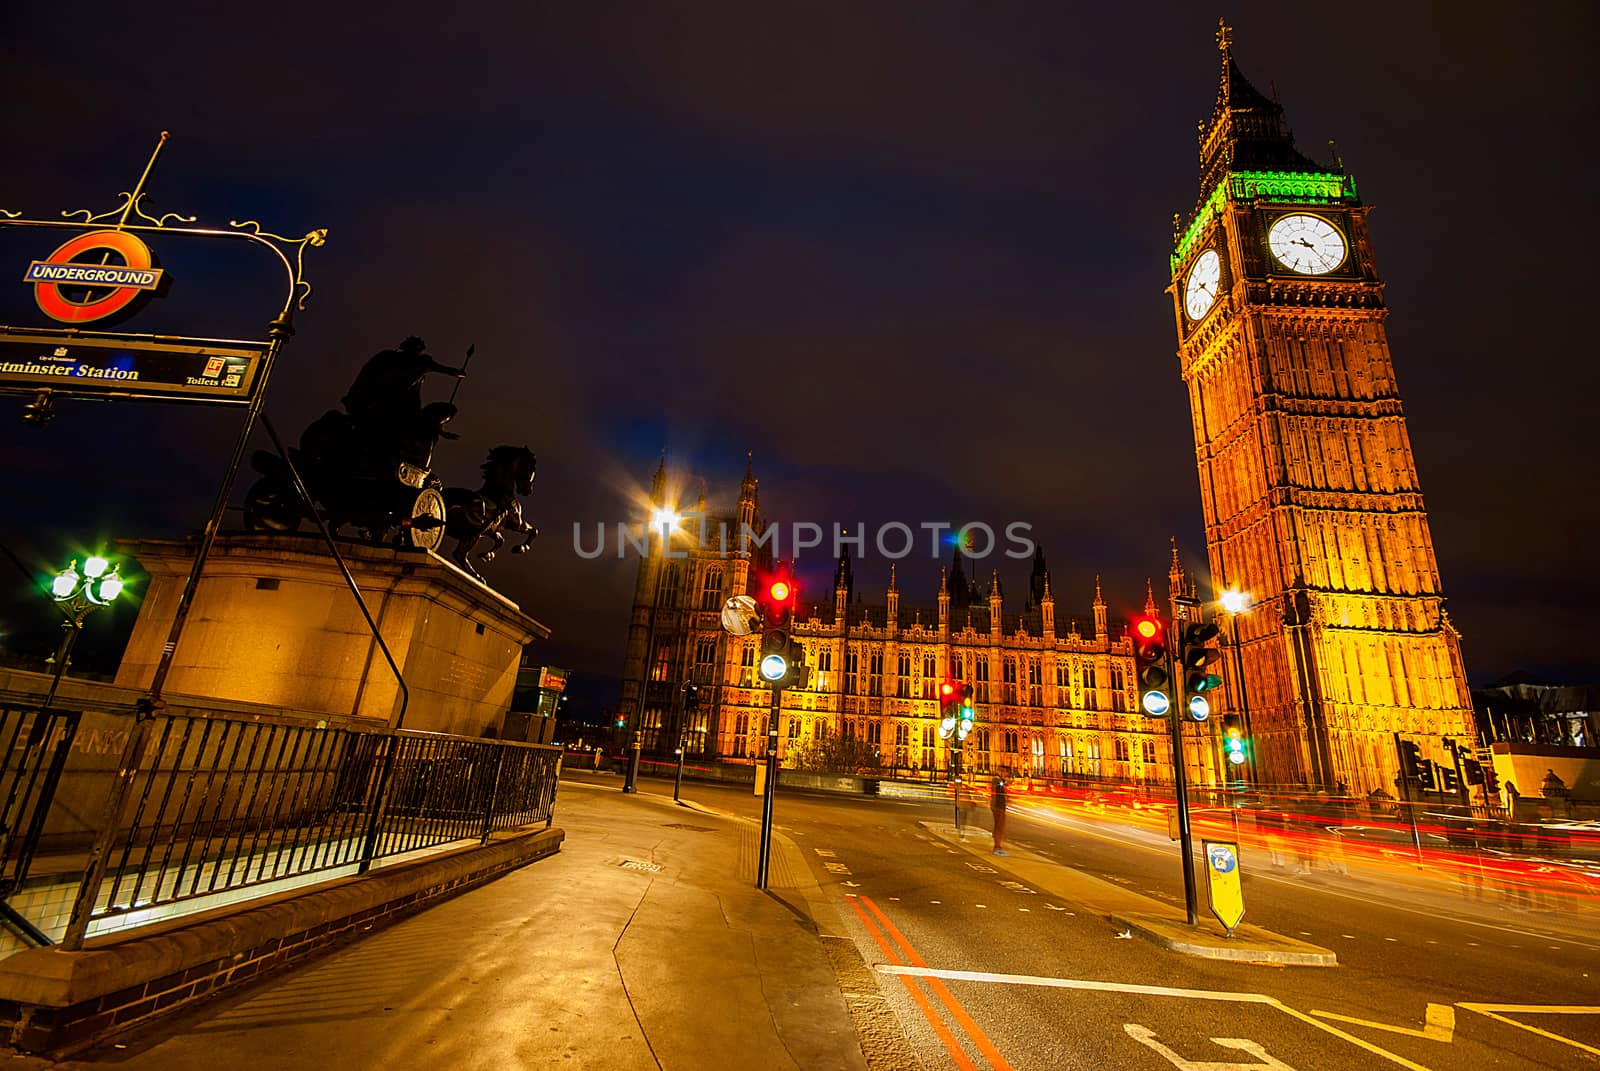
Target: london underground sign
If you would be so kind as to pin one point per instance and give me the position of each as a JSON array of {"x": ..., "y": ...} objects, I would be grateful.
[
  {"x": 109, "y": 290},
  {"x": 212, "y": 342}
]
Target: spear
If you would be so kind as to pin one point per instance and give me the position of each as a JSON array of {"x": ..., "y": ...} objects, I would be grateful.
[{"x": 470, "y": 350}]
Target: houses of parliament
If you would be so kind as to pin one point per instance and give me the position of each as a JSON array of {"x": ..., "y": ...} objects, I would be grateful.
[{"x": 1311, "y": 504}]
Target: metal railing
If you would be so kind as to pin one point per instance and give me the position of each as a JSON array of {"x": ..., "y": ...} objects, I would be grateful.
[
  {"x": 33, "y": 749},
  {"x": 226, "y": 806}
]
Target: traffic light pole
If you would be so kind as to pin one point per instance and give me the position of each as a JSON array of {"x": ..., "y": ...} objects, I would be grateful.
[
  {"x": 765, "y": 853},
  {"x": 1179, "y": 778}
]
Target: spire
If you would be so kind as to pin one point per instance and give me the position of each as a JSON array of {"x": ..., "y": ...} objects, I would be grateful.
[
  {"x": 747, "y": 495},
  {"x": 994, "y": 585},
  {"x": 1178, "y": 583},
  {"x": 843, "y": 578},
  {"x": 1036, "y": 578},
  {"x": 891, "y": 577},
  {"x": 1247, "y": 130},
  {"x": 658, "y": 483},
  {"x": 747, "y": 486},
  {"x": 957, "y": 585},
  {"x": 1099, "y": 603},
  {"x": 700, "y": 504},
  {"x": 1149, "y": 599},
  {"x": 1099, "y": 611},
  {"x": 1047, "y": 597}
]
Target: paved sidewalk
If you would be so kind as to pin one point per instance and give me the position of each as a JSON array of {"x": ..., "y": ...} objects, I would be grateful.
[{"x": 642, "y": 944}]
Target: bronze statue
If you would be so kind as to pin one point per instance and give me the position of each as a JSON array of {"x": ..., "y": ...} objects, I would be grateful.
[
  {"x": 493, "y": 509},
  {"x": 371, "y": 466}
]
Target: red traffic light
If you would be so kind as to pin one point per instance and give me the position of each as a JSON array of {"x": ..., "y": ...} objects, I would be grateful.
[
  {"x": 780, "y": 591},
  {"x": 947, "y": 688},
  {"x": 1146, "y": 628}
]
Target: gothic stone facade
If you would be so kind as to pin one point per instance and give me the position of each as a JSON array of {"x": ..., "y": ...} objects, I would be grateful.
[
  {"x": 1053, "y": 699},
  {"x": 1310, "y": 492}
]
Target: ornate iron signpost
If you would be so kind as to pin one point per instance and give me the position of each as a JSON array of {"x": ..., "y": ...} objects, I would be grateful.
[
  {"x": 102, "y": 273},
  {"x": 104, "y": 269}
]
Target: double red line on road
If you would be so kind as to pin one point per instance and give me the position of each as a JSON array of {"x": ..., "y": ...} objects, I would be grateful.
[{"x": 883, "y": 931}]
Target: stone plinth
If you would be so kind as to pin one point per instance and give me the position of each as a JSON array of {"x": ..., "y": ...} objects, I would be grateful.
[{"x": 274, "y": 622}]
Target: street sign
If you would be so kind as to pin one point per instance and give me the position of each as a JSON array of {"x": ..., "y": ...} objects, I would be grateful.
[
  {"x": 179, "y": 370},
  {"x": 1222, "y": 882}
]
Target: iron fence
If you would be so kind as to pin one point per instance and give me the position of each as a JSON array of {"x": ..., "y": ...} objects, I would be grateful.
[
  {"x": 225, "y": 806},
  {"x": 33, "y": 749}
]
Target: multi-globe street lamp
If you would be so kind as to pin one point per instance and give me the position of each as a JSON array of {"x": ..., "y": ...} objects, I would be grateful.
[
  {"x": 1235, "y": 602},
  {"x": 78, "y": 593}
]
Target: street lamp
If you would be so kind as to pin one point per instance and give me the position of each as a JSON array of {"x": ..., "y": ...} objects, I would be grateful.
[
  {"x": 1235, "y": 602},
  {"x": 79, "y": 593}
]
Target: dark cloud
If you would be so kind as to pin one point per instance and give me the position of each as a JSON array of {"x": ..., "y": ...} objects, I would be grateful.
[{"x": 911, "y": 255}]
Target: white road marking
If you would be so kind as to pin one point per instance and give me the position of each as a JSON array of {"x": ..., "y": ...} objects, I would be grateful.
[
  {"x": 826, "y": 853},
  {"x": 1492, "y": 1010},
  {"x": 1439, "y": 1023},
  {"x": 1152, "y": 991},
  {"x": 852, "y": 884},
  {"x": 1028, "y": 909},
  {"x": 836, "y": 868},
  {"x": 1146, "y": 1037}
]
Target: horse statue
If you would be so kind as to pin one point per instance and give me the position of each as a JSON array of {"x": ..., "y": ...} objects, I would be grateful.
[{"x": 493, "y": 509}]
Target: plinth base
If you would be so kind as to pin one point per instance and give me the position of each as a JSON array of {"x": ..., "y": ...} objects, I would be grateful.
[{"x": 273, "y": 622}]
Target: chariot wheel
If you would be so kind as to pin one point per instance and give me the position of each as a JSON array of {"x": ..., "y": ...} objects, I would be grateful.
[
  {"x": 425, "y": 527},
  {"x": 271, "y": 505}
]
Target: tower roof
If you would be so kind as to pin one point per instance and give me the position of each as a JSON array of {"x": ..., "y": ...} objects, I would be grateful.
[{"x": 1247, "y": 130}]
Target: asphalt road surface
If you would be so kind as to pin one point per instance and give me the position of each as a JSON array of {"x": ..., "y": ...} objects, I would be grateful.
[{"x": 984, "y": 971}]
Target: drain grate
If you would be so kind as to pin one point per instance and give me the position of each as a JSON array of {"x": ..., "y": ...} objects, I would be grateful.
[
  {"x": 640, "y": 865},
  {"x": 686, "y": 826}
]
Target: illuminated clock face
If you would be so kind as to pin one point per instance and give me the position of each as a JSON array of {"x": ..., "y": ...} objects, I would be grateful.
[
  {"x": 1205, "y": 281},
  {"x": 1306, "y": 244}
]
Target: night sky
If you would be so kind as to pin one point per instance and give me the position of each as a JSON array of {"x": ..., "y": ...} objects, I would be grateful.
[{"x": 911, "y": 256}]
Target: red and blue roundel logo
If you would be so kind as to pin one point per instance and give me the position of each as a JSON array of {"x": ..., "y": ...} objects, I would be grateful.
[{"x": 85, "y": 269}]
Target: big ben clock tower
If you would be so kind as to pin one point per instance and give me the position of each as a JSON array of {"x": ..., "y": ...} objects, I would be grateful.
[{"x": 1309, "y": 490}]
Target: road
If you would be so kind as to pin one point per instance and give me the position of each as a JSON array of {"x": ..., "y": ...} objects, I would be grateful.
[{"x": 996, "y": 974}]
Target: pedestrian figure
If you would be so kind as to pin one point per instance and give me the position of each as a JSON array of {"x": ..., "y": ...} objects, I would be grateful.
[{"x": 997, "y": 804}]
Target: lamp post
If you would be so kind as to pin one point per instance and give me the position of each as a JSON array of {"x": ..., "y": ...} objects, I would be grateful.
[
  {"x": 1234, "y": 603},
  {"x": 78, "y": 593}
]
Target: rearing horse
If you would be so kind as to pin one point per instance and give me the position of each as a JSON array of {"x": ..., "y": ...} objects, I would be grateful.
[{"x": 492, "y": 509}]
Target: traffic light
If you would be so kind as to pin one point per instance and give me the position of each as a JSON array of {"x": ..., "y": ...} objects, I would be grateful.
[
  {"x": 965, "y": 713},
  {"x": 622, "y": 722},
  {"x": 782, "y": 662},
  {"x": 1195, "y": 654},
  {"x": 691, "y": 697},
  {"x": 1233, "y": 741},
  {"x": 1414, "y": 767},
  {"x": 1149, "y": 635},
  {"x": 1491, "y": 782},
  {"x": 949, "y": 707}
]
